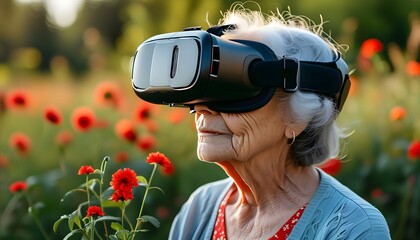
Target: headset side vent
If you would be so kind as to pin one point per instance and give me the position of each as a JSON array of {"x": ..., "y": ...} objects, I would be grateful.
[{"x": 214, "y": 69}]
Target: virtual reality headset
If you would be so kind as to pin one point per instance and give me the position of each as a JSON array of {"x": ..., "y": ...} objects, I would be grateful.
[{"x": 199, "y": 67}]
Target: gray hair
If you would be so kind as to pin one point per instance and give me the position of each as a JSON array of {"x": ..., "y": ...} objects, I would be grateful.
[{"x": 297, "y": 37}]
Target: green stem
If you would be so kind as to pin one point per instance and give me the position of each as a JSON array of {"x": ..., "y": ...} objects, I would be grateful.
[
  {"x": 92, "y": 231},
  {"x": 38, "y": 223},
  {"x": 87, "y": 189},
  {"x": 7, "y": 212},
  {"x": 144, "y": 200},
  {"x": 103, "y": 168},
  {"x": 122, "y": 215}
]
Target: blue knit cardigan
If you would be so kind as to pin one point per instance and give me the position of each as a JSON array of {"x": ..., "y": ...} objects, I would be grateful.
[{"x": 334, "y": 212}]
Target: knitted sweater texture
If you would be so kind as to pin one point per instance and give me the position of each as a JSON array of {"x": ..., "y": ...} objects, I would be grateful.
[{"x": 334, "y": 212}]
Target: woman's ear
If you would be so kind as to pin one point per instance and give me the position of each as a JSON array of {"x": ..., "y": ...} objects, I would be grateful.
[{"x": 292, "y": 130}]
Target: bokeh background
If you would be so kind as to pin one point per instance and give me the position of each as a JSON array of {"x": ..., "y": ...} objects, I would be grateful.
[{"x": 66, "y": 101}]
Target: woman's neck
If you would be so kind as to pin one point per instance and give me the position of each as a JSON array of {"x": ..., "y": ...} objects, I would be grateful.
[
  {"x": 268, "y": 192},
  {"x": 266, "y": 183}
]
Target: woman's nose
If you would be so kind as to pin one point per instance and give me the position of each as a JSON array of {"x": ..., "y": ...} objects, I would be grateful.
[{"x": 203, "y": 109}]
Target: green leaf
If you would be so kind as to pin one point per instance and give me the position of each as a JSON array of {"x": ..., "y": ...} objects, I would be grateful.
[
  {"x": 107, "y": 193},
  {"x": 142, "y": 181},
  {"x": 74, "y": 218},
  {"x": 108, "y": 218},
  {"x": 113, "y": 237},
  {"x": 110, "y": 204},
  {"x": 92, "y": 183},
  {"x": 71, "y": 192},
  {"x": 98, "y": 171},
  {"x": 116, "y": 226},
  {"x": 122, "y": 234},
  {"x": 89, "y": 183},
  {"x": 58, "y": 222},
  {"x": 152, "y": 220},
  {"x": 72, "y": 233},
  {"x": 158, "y": 188}
]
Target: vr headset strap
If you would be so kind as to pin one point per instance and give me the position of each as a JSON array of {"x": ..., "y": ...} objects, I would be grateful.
[{"x": 292, "y": 75}]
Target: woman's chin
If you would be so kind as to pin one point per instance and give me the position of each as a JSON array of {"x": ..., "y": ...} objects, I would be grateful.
[{"x": 213, "y": 154}]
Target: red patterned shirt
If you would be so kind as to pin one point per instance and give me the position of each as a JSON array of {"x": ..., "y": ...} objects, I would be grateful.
[{"x": 219, "y": 232}]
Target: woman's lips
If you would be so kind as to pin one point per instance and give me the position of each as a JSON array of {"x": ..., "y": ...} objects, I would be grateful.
[{"x": 208, "y": 131}]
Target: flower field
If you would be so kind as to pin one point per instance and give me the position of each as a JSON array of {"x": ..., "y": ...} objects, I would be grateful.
[{"x": 81, "y": 155}]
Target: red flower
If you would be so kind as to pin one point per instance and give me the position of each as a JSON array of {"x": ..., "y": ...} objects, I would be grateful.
[
  {"x": 413, "y": 151},
  {"x": 162, "y": 212},
  {"x": 18, "y": 186},
  {"x": 162, "y": 160},
  {"x": 21, "y": 142},
  {"x": 332, "y": 166},
  {"x": 370, "y": 47},
  {"x": 146, "y": 143},
  {"x": 143, "y": 111},
  {"x": 125, "y": 129},
  {"x": 86, "y": 170},
  {"x": 177, "y": 115},
  {"x": 377, "y": 193},
  {"x": 123, "y": 181},
  {"x": 53, "y": 115},
  {"x": 64, "y": 138},
  {"x": 354, "y": 85},
  {"x": 397, "y": 113},
  {"x": 121, "y": 157},
  {"x": 4, "y": 161},
  {"x": 94, "y": 211},
  {"x": 17, "y": 99},
  {"x": 107, "y": 93},
  {"x": 413, "y": 68},
  {"x": 168, "y": 170},
  {"x": 83, "y": 119}
]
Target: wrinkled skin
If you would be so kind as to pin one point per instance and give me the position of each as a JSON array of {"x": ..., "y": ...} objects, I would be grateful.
[{"x": 252, "y": 148}]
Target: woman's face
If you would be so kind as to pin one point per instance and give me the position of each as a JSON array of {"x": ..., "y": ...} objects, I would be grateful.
[{"x": 239, "y": 136}]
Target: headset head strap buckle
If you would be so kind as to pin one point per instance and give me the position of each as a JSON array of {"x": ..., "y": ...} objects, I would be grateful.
[{"x": 291, "y": 70}]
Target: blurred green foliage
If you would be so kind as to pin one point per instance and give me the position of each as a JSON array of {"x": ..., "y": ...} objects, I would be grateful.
[{"x": 63, "y": 67}]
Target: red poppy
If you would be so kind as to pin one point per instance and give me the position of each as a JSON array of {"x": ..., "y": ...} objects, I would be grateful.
[
  {"x": 125, "y": 129},
  {"x": 397, "y": 113},
  {"x": 18, "y": 186},
  {"x": 4, "y": 161},
  {"x": 64, "y": 138},
  {"x": 121, "y": 157},
  {"x": 413, "y": 151},
  {"x": 168, "y": 169},
  {"x": 332, "y": 166},
  {"x": 146, "y": 143},
  {"x": 377, "y": 193},
  {"x": 53, "y": 115},
  {"x": 83, "y": 119},
  {"x": 17, "y": 99},
  {"x": 94, "y": 211},
  {"x": 123, "y": 181},
  {"x": 143, "y": 111},
  {"x": 151, "y": 126},
  {"x": 162, "y": 212},
  {"x": 413, "y": 68},
  {"x": 162, "y": 160},
  {"x": 107, "y": 94},
  {"x": 86, "y": 170},
  {"x": 370, "y": 47},
  {"x": 177, "y": 115},
  {"x": 354, "y": 85},
  {"x": 21, "y": 142}
]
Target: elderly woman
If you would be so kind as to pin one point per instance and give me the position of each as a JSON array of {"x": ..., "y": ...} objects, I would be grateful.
[
  {"x": 267, "y": 144},
  {"x": 274, "y": 191}
]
